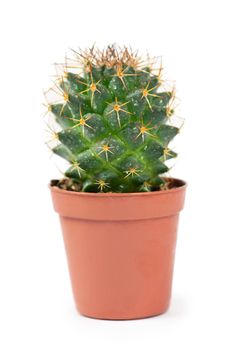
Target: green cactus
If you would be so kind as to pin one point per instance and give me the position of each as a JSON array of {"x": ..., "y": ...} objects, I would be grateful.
[{"x": 114, "y": 120}]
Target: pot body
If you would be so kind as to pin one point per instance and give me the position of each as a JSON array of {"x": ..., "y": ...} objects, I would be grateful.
[{"x": 120, "y": 250}]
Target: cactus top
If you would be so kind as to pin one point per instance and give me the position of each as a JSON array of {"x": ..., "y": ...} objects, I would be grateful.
[{"x": 114, "y": 118}]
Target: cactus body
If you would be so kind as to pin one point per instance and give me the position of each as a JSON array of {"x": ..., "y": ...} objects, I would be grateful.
[{"x": 114, "y": 124}]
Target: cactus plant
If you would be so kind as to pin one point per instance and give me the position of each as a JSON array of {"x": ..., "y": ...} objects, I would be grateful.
[{"x": 114, "y": 123}]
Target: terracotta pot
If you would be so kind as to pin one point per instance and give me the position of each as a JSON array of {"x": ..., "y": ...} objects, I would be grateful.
[{"x": 120, "y": 249}]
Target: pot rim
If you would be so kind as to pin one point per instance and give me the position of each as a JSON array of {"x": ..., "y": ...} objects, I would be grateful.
[{"x": 181, "y": 185}]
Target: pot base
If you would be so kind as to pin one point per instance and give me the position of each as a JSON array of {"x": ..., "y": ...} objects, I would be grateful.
[{"x": 124, "y": 317}]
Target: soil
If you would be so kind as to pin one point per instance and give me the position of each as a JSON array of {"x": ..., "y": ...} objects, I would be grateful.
[{"x": 70, "y": 185}]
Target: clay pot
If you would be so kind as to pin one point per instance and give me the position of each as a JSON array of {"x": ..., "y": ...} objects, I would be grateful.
[{"x": 120, "y": 249}]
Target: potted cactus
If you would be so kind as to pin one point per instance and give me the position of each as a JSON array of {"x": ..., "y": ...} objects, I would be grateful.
[{"x": 118, "y": 209}]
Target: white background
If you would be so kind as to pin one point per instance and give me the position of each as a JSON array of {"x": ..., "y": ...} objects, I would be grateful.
[{"x": 36, "y": 305}]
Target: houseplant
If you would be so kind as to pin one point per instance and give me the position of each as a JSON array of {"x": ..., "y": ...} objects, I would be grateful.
[{"x": 118, "y": 212}]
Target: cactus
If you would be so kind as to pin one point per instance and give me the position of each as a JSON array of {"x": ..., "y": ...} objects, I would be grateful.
[{"x": 114, "y": 123}]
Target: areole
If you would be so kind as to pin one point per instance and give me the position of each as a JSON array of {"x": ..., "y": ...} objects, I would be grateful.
[{"x": 120, "y": 249}]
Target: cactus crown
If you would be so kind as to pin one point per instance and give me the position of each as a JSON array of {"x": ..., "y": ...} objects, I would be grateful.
[{"x": 114, "y": 119}]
